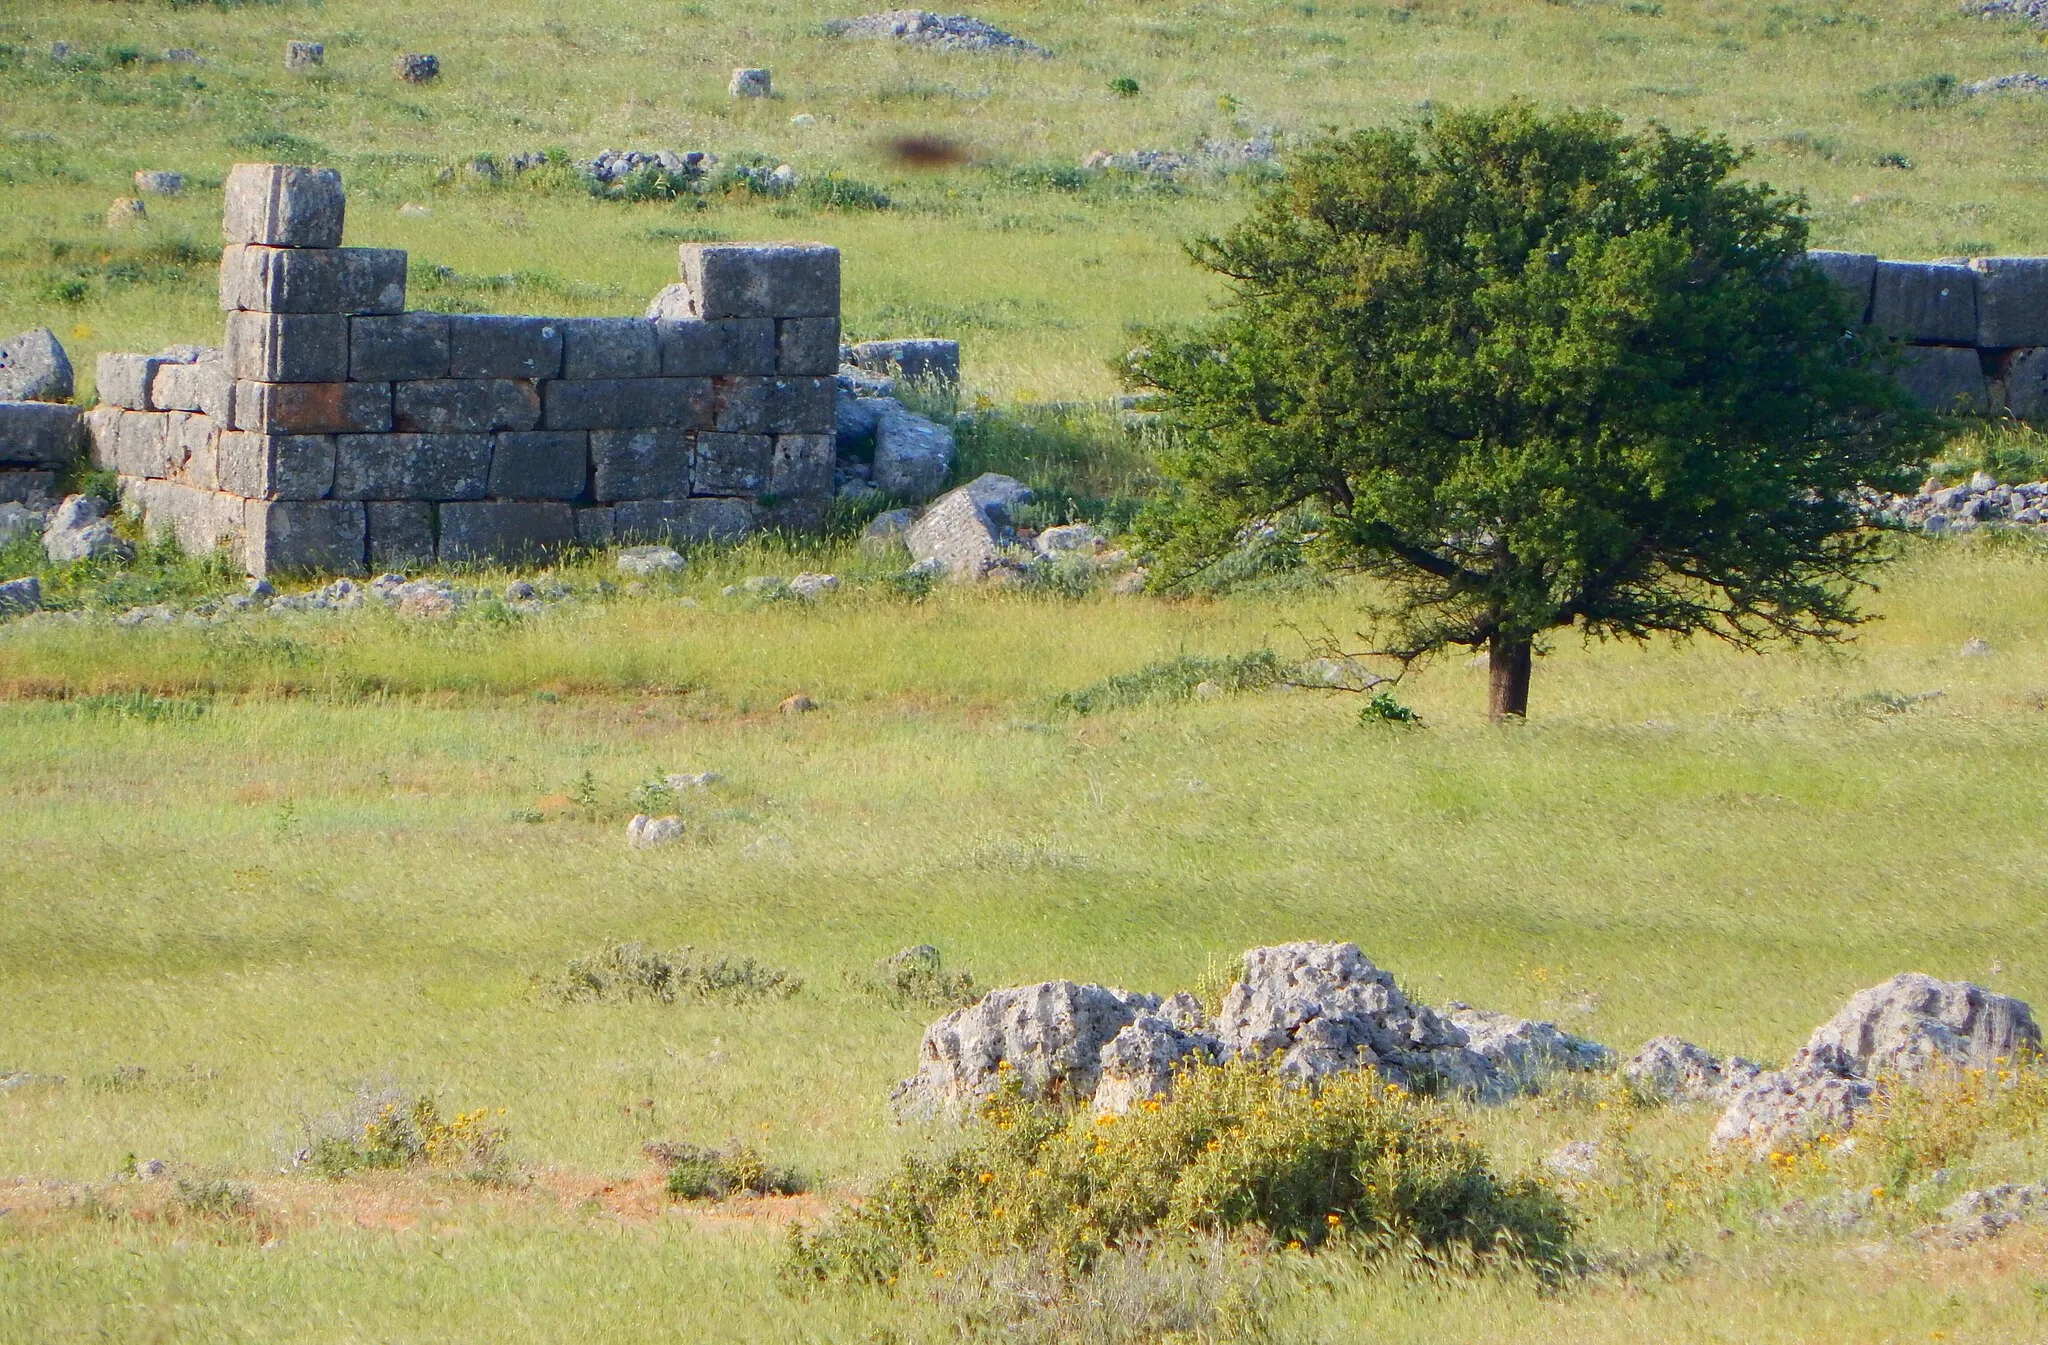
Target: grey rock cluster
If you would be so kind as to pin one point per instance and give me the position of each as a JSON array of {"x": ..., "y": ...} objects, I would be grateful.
[
  {"x": 615, "y": 165},
  {"x": 1908, "y": 1027},
  {"x": 645, "y": 833},
  {"x": 2032, "y": 11},
  {"x": 750, "y": 82},
  {"x": 638, "y": 562},
  {"x": 1211, "y": 156},
  {"x": 944, "y": 32},
  {"x": 416, "y": 68},
  {"x": 1673, "y": 1070},
  {"x": 1316, "y": 1009},
  {"x": 333, "y": 430},
  {"x": 78, "y": 529},
  {"x": 304, "y": 55},
  {"x": 1979, "y": 501},
  {"x": 2023, "y": 81},
  {"x": 1976, "y": 1215}
]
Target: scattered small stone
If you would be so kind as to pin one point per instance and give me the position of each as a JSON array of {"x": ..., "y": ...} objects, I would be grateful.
[
  {"x": 1160, "y": 163},
  {"x": 304, "y": 55},
  {"x": 161, "y": 613},
  {"x": 749, "y": 82},
  {"x": 1580, "y": 1158},
  {"x": 810, "y": 585},
  {"x": 158, "y": 182},
  {"x": 1975, "y": 647},
  {"x": 1069, "y": 537},
  {"x": 415, "y": 68},
  {"x": 1940, "y": 510},
  {"x": 803, "y": 119},
  {"x": 1523, "y": 1051},
  {"x": 797, "y": 705},
  {"x": 649, "y": 560},
  {"x": 1127, "y": 585},
  {"x": 943, "y": 32},
  {"x": 519, "y": 591},
  {"x": 260, "y": 588},
  {"x": 182, "y": 56},
  {"x": 21, "y": 595},
  {"x": 60, "y": 51},
  {"x": 614, "y": 165},
  {"x": 126, "y": 212},
  {"x": 150, "y": 1169},
  {"x": 1976, "y": 1215},
  {"x": 34, "y": 368},
  {"x": 1208, "y": 691},
  {"x": 644, "y": 832},
  {"x": 78, "y": 530},
  {"x": 414, "y": 208},
  {"x": 685, "y": 780},
  {"x": 761, "y": 585}
]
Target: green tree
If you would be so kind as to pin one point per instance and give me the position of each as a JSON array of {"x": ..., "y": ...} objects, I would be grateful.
[{"x": 1536, "y": 371}]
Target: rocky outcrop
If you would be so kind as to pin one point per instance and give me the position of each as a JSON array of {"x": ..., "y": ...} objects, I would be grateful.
[
  {"x": 1050, "y": 1036},
  {"x": 1671, "y": 1069},
  {"x": 1524, "y": 1052},
  {"x": 1906, "y": 1028},
  {"x": 1320, "y": 1008},
  {"x": 1140, "y": 1061},
  {"x": 942, "y": 32},
  {"x": 1976, "y": 1215},
  {"x": 78, "y": 530}
]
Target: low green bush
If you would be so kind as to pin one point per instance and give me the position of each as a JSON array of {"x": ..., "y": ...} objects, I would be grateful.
[
  {"x": 1175, "y": 679},
  {"x": 697, "y": 1173},
  {"x": 1239, "y": 1148},
  {"x": 404, "y": 1134},
  {"x": 619, "y": 973}
]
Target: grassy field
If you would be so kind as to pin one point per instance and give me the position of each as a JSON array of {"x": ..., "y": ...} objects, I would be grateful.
[
  {"x": 1036, "y": 272},
  {"x": 254, "y": 872},
  {"x": 279, "y": 863}
]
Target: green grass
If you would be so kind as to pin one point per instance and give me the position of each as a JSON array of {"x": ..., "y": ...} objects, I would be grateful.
[
  {"x": 319, "y": 881},
  {"x": 1036, "y": 271}
]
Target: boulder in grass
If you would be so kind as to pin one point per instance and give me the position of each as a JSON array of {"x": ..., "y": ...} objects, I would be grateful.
[
  {"x": 126, "y": 212},
  {"x": 416, "y": 68},
  {"x": 912, "y": 453},
  {"x": 158, "y": 182},
  {"x": 1524, "y": 1051},
  {"x": 21, "y": 595},
  {"x": 1671, "y": 1069},
  {"x": 34, "y": 368},
  {"x": 78, "y": 530},
  {"x": 1049, "y": 1037},
  {"x": 304, "y": 55},
  {"x": 750, "y": 82},
  {"x": 644, "y": 832},
  {"x": 1140, "y": 1061},
  {"x": 641, "y": 561}
]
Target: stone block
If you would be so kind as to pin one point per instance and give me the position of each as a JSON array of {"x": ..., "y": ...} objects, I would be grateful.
[
  {"x": 2012, "y": 301},
  {"x": 802, "y": 465},
  {"x": 913, "y": 455},
  {"x": 313, "y": 408},
  {"x": 198, "y": 520},
  {"x": 401, "y": 533},
  {"x": 195, "y": 449},
  {"x": 797, "y": 513},
  {"x": 928, "y": 359},
  {"x": 807, "y": 346},
  {"x": 323, "y": 535},
  {"x": 540, "y": 465},
  {"x": 34, "y": 368},
  {"x": 38, "y": 434},
  {"x": 695, "y": 348},
  {"x": 740, "y": 405},
  {"x": 312, "y": 280},
  {"x": 788, "y": 280},
  {"x": 680, "y": 522},
  {"x": 1948, "y": 379},
  {"x": 205, "y": 386},
  {"x": 283, "y": 205},
  {"x": 124, "y": 379},
  {"x": 487, "y": 345},
  {"x": 100, "y": 429},
  {"x": 276, "y": 466},
  {"x": 625, "y": 403},
  {"x": 640, "y": 464},
  {"x": 505, "y": 530},
  {"x": 1852, "y": 272},
  {"x": 595, "y": 526},
  {"x": 2026, "y": 385},
  {"x": 26, "y": 486},
  {"x": 802, "y": 406},
  {"x": 288, "y": 347},
  {"x": 401, "y": 346},
  {"x": 1930, "y": 303},
  {"x": 609, "y": 348},
  {"x": 142, "y": 444},
  {"x": 731, "y": 464},
  {"x": 465, "y": 405},
  {"x": 411, "y": 466}
]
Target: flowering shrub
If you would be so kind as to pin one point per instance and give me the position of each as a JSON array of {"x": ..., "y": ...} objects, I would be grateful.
[
  {"x": 1238, "y": 1147},
  {"x": 401, "y": 1134}
]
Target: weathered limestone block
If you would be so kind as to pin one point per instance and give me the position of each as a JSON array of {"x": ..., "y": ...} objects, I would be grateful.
[
  {"x": 696, "y": 348},
  {"x": 2026, "y": 384},
  {"x": 1670, "y": 1069},
  {"x": 505, "y": 530},
  {"x": 38, "y": 434},
  {"x": 1853, "y": 273},
  {"x": 595, "y": 526},
  {"x": 277, "y": 466},
  {"x": 609, "y": 348},
  {"x": 204, "y": 385},
  {"x": 625, "y": 403},
  {"x": 288, "y": 347},
  {"x": 488, "y": 345},
  {"x": 740, "y": 405},
  {"x": 912, "y": 454},
  {"x": 283, "y": 205},
  {"x": 1140, "y": 1061},
  {"x": 312, "y": 280},
  {"x": 328, "y": 535},
  {"x": 411, "y": 466},
  {"x": 919, "y": 359},
  {"x": 401, "y": 533},
  {"x": 34, "y": 368},
  {"x": 540, "y": 465},
  {"x": 1913, "y": 1024},
  {"x": 77, "y": 529},
  {"x": 29, "y": 486},
  {"x": 1945, "y": 378},
  {"x": 465, "y": 405},
  {"x": 730, "y": 464},
  {"x": 1048, "y": 1037},
  {"x": 198, "y": 520},
  {"x": 680, "y": 522},
  {"x": 644, "y": 464},
  {"x": 956, "y": 538},
  {"x": 802, "y": 465},
  {"x": 1526, "y": 1052},
  {"x": 401, "y": 346},
  {"x": 2012, "y": 301},
  {"x": 140, "y": 444},
  {"x": 802, "y": 405},
  {"x": 313, "y": 408},
  {"x": 1928, "y": 302},
  {"x": 122, "y": 379},
  {"x": 731, "y": 280},
  {"x": 807, "y": 346}
]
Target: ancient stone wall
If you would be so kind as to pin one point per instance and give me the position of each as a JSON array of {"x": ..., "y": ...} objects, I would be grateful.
[
  {"x": 1976, "y": 331},
  {"x": 332, "y": 430}
]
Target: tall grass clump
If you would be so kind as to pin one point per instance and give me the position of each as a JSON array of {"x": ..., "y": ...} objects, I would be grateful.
[
  {"x": 1240, "y": 1148},
  {"x": 619, "y": 973}
]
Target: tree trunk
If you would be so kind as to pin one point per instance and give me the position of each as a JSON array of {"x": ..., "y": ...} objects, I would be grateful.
[{"x": 1507, "y": 667}]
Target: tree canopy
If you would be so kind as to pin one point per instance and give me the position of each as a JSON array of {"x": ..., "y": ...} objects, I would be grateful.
[{"x": 1536, "y": 371}]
